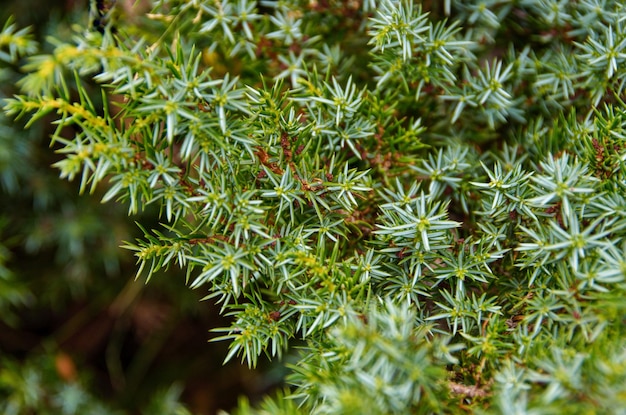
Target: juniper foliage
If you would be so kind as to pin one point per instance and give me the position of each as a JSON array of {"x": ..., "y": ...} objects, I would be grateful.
[{"x": 430, "y": 198}]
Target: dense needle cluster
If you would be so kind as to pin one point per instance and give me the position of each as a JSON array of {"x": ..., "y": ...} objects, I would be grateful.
[{"x": 429, "y": 199}]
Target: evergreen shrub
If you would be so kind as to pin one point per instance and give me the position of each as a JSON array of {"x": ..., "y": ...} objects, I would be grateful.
[{"x": 420, "y": 206}]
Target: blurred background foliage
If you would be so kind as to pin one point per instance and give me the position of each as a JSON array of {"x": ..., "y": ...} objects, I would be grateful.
[{"x": 78, "y": 335}]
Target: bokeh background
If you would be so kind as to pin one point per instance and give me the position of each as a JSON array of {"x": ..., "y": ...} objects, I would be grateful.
[{"x": 78, "y": 333}]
